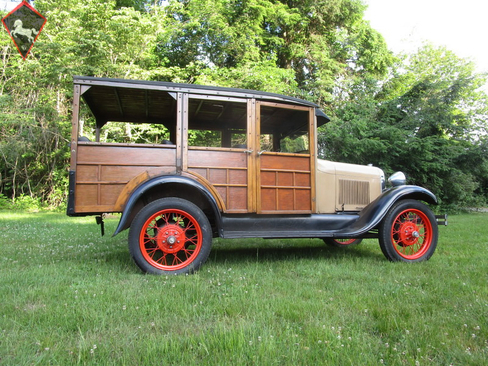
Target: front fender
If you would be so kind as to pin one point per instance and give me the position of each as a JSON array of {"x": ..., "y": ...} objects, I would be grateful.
[
  {"x": 160, "y": 182},
  {"x": 372, "y": 214}
]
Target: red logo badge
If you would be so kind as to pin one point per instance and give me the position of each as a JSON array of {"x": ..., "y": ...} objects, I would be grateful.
[{"x": 24, "y": 24}]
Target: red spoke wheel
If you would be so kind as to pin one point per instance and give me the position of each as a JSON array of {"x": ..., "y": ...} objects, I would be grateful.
[
  {"x": 408, "y": 232},
  {"x": 170, "y": 235},
  {"x": 342, "y": 243}
]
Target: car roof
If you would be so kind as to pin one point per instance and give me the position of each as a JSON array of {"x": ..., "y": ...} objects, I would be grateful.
[{"x": 101, "y": 101}]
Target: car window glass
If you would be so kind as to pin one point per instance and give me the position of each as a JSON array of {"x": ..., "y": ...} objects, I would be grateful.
[
  {"x": 217, "y": 123},
  {"x": 284, "y": 130}
]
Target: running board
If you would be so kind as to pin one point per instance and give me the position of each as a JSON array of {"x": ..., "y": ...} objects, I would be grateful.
[{"x": 285, "y": 226}]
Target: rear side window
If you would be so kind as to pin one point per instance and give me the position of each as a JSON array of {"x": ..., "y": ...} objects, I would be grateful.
[{"x": 128, "y": 116}]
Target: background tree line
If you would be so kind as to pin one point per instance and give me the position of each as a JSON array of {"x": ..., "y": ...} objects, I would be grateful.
[{"x": 421, "y": 113}]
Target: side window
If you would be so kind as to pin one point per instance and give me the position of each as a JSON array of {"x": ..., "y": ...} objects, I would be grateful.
[
  {"x": 217, "y": 123},
  {"x": 135, "y": 133},
  {"x": 284, "y": 130},
  {"x": 128, "y": 116}
]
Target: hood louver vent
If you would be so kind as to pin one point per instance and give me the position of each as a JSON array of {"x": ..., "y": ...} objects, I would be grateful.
[{"x": 353, "y": 192}]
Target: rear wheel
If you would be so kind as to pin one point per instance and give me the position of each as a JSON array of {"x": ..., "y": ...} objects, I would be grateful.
[
  {"x": 408, "y": 232},
  {"x": 342, "y": 243},
  {"x": 170, "y": 236}
]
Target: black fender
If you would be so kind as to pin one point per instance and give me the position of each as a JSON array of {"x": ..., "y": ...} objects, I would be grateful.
[
  {"x": 160, "y": 182},
  {"x": 370, "y": 217}
]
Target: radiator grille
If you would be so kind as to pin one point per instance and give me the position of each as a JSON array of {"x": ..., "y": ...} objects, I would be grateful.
[{"x": 352, "y": 192}]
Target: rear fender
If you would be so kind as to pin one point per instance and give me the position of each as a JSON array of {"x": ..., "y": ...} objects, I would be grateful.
[
  {"x": 371, "y": 215},
  {"x": 160, "y": 184}
]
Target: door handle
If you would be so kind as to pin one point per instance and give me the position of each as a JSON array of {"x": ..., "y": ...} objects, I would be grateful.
[
  {"x": 261, "y": 152},
  {"x": 248, "y": 151}
]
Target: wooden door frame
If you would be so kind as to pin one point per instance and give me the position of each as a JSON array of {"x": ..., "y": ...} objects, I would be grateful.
[
  {"x": 252, "y": 160},
  {"x": 256, "y": 146}
]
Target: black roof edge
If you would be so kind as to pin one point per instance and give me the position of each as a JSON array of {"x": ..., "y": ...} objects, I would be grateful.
[
  {"x": 196, "y": 88},
  {"x": 322, "y": 118}
]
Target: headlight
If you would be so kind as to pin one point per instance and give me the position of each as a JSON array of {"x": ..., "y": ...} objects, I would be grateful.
[{"x": 397, "y": 179}]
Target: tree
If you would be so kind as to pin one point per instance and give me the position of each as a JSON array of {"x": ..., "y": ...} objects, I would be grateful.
[
  {"x": 80, "y": 38},
  {"x": 305, "y": 44},
  {"x": 428, "y": 119}
]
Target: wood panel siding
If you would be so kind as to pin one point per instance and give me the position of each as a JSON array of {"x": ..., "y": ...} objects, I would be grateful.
[
  {"x": 226, "y": 170},
  {"x": 103, "y": 170},
  {"x": 286, "y": 184}
]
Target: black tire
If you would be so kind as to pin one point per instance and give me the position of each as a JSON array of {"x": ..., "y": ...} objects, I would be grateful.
[
  {"x": 408, "y": 232},
  {"x": 170, "y": 236},
  {"x": 342, "y": 243}
]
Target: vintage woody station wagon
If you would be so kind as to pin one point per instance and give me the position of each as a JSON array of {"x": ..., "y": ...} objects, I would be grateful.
[{"x": 229, "y": 163}]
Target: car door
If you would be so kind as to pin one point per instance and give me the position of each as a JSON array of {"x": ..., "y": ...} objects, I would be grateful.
[{"x": 284, "y": 165}]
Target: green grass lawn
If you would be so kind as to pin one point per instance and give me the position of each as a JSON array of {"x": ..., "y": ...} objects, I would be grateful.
[{"x": 69, "y": 296}]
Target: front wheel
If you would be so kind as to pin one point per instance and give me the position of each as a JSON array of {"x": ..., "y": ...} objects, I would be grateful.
[
  {"x": 170, "y": 236},
  {"x": 408, "y": 232}
]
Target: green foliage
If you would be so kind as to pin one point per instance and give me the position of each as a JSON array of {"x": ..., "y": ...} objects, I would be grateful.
[
  {"x": 139, "y": 5},
  {"x": 305, "y": 44},
  {"x": 255, "y": 76},
  {"x": 5, "y": 203},
  {"x": 24, "y": 204},
  {"x": 33, "y": 150},
  {"x": 204, "y": 138},
  {"x": 81, "y": 37}
]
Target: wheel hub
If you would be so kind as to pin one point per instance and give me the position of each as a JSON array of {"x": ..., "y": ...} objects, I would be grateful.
[
  {"x": 171, "y": 239},
  {"x": 409, "y": 233}
]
